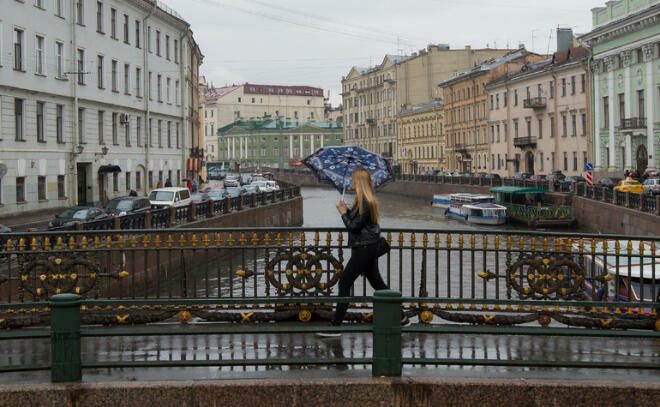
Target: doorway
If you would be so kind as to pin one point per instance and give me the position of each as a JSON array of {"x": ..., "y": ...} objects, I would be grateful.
[
  {"x": 530, "y": 162},
  {"x": 642, "y": 158},
  {"x": 102, "y": 185},
  {"x": 82, "y": 184}
]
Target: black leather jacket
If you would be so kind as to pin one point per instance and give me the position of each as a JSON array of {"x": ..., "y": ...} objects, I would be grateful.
[{"x": 361, "y": 232}]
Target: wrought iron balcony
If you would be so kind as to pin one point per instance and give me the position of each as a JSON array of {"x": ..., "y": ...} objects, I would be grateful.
[
  {"x": 633, "y": 123},
  {"x": 522, "y": 142},
  {"x": 534, "y": 103}
]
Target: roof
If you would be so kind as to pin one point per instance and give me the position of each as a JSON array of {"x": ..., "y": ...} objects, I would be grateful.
[
  {"x": 487, "y": 66},
  {"x": 301, "y": 90},
  {"x": 216, "y": 93},
  {"x": 422, "y": 107},
  {"x": 519, "y": 190}
]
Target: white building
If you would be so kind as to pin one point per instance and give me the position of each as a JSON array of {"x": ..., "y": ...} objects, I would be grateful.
[{"x": 93, "y": 100}]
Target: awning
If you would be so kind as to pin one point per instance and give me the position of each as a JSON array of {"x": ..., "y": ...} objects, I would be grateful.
[
  {"x": 519, "y": 190},
  {"x": 194, "y": 164},
  {"x": 109, "y": 168}
]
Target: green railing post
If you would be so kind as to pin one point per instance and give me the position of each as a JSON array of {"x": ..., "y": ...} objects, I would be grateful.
[
  {"x": 387, "y": 333},
  {"x": 65, "y": 338}
]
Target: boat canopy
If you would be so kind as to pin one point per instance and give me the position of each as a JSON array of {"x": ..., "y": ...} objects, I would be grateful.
[{"x": 519, "y": 190}]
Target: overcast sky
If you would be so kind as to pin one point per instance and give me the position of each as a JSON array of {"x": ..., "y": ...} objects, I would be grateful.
[{"x": 315, "y": 42}]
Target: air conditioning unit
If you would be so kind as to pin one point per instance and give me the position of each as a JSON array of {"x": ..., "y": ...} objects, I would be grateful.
[{"x": 123, "y": 118}]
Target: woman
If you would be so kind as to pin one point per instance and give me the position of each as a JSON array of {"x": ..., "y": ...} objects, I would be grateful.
[{"x": 363, "y": 234}]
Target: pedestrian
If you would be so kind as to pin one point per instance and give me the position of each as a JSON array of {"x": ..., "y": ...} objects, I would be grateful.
[
  {"x": 194, "y": 185},
  {"x": 132, "y": 193},
  {"x": 160, "y": 184},
  {"x": 626, "y": 173},
  {"x": 364, "y": 232},
  {"x": 168, "y": 183},
  {"x": 189, "y": 185}
]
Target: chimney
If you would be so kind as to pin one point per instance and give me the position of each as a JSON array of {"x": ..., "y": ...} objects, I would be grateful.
[{"x": 564, "y": 39}]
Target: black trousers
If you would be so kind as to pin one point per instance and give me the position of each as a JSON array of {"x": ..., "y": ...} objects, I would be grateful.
[{"x": 363, "y": 261}]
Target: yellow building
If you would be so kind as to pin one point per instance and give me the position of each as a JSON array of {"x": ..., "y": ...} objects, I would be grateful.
[{"x": 420, "y": 138}]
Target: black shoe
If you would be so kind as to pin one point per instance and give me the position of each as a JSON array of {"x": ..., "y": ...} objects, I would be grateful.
[{"x": 405, "y": 322}]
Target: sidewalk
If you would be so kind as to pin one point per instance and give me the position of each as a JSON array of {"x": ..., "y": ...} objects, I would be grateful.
[{"x": 38, "y": 220}]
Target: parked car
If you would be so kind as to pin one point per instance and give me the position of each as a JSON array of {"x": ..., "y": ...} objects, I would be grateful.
[
  {"x": 445, "y": 174},
  {"x": 494, "y": 176},
  {"x": 215, "y": 174},
  {"x": 233, "y": 192},
  {"x": 629, "y": 185},
  {"x": 5, "y": 229},
  {"x": 566, "y": 182},
  {"x": 173, "y": 196},
  {"x": 77, "y": 214},
  {"x": 608, "y": 182},
  {"x": 480, "y": 175},
  {"x": 555, "y": 176},
  {"x": 199, "y": 197},
  {"x": 232, "y": 182},
  {"x": 537, "y": 177},
  {"x": 521, "y": 175},
  {"x": 128, "y": 204},
  {"x": 251, "y": 189},
  {"x": 651, "y": 186},
  {"x": 273, "y": 185},
  {"x": 456, "y": 174},
  {"x": 431, "y": 172},
  {"x": 262, "y": 186},
  {"x": 216, "y": 194}
]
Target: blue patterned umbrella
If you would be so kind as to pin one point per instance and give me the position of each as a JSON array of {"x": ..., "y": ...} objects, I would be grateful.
[{"x": 335, "y": 166}]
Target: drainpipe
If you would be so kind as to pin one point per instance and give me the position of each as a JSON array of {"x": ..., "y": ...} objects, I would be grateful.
[
  {"x": 184, "y": 91},
  {"x": 73, "y": 181},
  {"x": 146, "y": 41}
]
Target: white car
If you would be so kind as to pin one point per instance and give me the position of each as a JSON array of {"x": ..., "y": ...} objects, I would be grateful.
[
  {"x": 273, "y": 185},
  {"x": 262, "y": 186},
  {"x": 173, "y": 196},
  {"x": 651, "y": 186}
]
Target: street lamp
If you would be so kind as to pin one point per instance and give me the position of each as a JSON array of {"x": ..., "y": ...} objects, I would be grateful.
[
  {"x": 79, "y": 149},
  {"x": 104, "y": 151}
]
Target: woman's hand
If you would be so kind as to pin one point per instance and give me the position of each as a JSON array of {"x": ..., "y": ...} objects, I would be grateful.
[{"x": 341, "y": 207}]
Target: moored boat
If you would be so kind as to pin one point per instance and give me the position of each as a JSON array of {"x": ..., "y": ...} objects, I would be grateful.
[
  {"x": 531, "y": 206},
  {"x": 441, "y": 201},
  {"x": 477, "y": 209}
]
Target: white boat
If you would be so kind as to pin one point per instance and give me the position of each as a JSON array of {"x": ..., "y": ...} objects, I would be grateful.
[
  {"x": 477, "y": 209},
  {"x": 441, "y": 201}
]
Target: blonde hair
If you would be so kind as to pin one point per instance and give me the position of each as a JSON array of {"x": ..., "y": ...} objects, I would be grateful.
[{"x": 365, "y": 192}]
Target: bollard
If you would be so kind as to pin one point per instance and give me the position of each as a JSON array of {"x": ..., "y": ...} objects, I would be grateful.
[
  {"x": 253, "y": 200},
  {"x": 172, "y": 210},
  {"x": 211, "y": 209},
  {"x": 147, "y": 220},
  {"x": 227, "y": 207},
  {"x": 387, "y": 333},
  {"x": 192, "y": 213},
  {"x": 116, "y": 223},
  {"x": 240, "y": 203},
  {"x": 627, "y": 201},
  {"x": 65, "y": 338}
]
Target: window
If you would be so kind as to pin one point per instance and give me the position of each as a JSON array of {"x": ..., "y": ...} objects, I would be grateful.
[
  {"x": 18, "y": 119},
  {"x": 150, "y": 134},
  {"x": 552, "y": 89},
  {"x": 640, "y": 103},
  {"x": 126, "y": 39},
  {"x": 497, "y": 101},
  {"x": 127, "y": 132},
  {"x": 59, "y": 8},
  {"x": 539, "y": 90},
  {"x": 99, "y": 71},
  {"x": 157, "y": 42},
  {"x": 41, "y": 188},
  {"x": 149, "y": 38},
  {"x": 504, "y": 102},
  {"x": 138, "y": 180},
  {"x": 540, "y": 128},
  {"x": 584, "y": 158},
  {"x": 20, "y": 189},
  {"x": 515, "y": 129},
  {"x": 584, "y": 124},
  {"x": 169, "y": 134},
  {"x": 138, "y": 131},
  {"x": 59, "y": 123},
  {"x": 39, "y": 55},
  {"x": 113, "y": 23},
  {"x": 565, "y": 161},
  {"x": 527, "y": 93},
  {"x": 574, "y": 124},
  {"x": 178, "y": 145},
  {"x": 80, "y": 12},
  {"x": 115, "y": 136},
  {"x": 573, "y": 85},
  {"x": 114, "y": 76},
  {"x": 128, "y": 180},
  {"x": 159, "y": 87},
  {"x": 552, "y": 159},
  {"x": 100, "y": 126},
  {"x": 515, "y": 97},
  {"x": 540, "y": 160},
  {"x": 582, "y": 83},
  {"x": 99, "y": 16},
  {"x": 552, "y": 127},
  {"x": 138, "y": 36},
  {"x": 18, "y": 49},
  {"x": 167, "y": 90},
  {"x": 151, "y": 179},
  {"x": 564, "y": 126},
  {"x": 563, "y": 87},
  {"x": 40, "y": 122},
  {"x": 606, "y": 111},
  {"x": 138, "y": 82},
  {"x": 61, "y": 190},
  {"x": 176, "y": 51},
  {"x": 127, "y": 79},
  {"x": 59, "y": 59},
  {"x": 176, "y": 93},
  {"x": 81, "y": 125},
  {"x": 160, "y": 133},
  {"x": 167, "y": 47},
  {"x": 492, "y": 105},
  {"x": 81, "y": 67},
  {"x": 575, "y": 161},
  {"x": 115, "y": 182},
  {"x": 529, "y": 128},
  {"x": 151, "y": 95}
]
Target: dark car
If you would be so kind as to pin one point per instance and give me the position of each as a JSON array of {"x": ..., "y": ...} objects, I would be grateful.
[
  {"x": 480, "y": 175},
  {"x": 431, "y": 172},
  {"x": 521, "y": 175},
  {"x": 128, "y": 204},
  {"x": 610, "y": 182},
  {"x": 574, "y": 178},
  {"x": 199, "y": 197},
  {"x": 216, "y": 194},
  {"x": 555, "y": 176},
  {"x": 493, "y": 176},
  {"x": 233, "y": 192},
  {"x": 77, "y": 214}
]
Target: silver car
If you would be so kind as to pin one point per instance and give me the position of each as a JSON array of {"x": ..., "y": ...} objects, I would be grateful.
[{"x": 651, "y": 186}]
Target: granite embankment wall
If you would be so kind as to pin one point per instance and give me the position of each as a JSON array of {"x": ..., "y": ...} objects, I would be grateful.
[
  {"x": 364, "y": 392},
  {"x": 591, "y": 215}
]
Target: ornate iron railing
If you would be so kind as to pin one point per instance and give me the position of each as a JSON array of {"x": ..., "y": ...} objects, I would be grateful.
[
  {"x": 608, "y": 195},
  {"x": 544, "y": 212},
  {"x": 619, "y": 198},
  {"x": 649, "y": 202}
]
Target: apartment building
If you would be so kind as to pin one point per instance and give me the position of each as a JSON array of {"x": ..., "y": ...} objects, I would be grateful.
[
  {"x": 538, "y": 118},
  {"x": 625, "y": 42},
  {"x": 94, "y": 100},
  {"x": 466, "y": 111},
  {"x": 420, "y": 138}
]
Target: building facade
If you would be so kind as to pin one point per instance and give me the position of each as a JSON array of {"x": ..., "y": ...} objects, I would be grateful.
[
  {"x": 538, "y": 120},
  {"x": 226, "y": 105},
  {"x": 625, "y": 42},
  {"x": 274, "y": 143},
  {"x": 373, "y": 96},
  {"x": 466, "y": 111},
  {"x": 93, "y": 100},
  {"x": 421, "y": 138}
]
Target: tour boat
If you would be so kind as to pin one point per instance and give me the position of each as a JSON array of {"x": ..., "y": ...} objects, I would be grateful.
[
  {"x": 532, "y": 207},
  {"x": 477, "y": 209},
  {"x": 441, "y": 201}
]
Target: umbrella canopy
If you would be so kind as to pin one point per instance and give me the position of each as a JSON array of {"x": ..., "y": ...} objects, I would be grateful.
[{"x": 335, "y": 165}]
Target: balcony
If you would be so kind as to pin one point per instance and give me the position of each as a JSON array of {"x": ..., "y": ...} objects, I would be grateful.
[
  {"x": 461, "y": 148},
  {"x": 534, "y": 103},
  {"x": 633, "y": 123},
  {"x": 522, "y": 142},
  {"x": 371, "y": 122}
]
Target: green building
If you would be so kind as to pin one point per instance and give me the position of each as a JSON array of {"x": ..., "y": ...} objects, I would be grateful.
[
  {"x": 274, "y": 143},
  {"x": 625, "y": 42}
]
